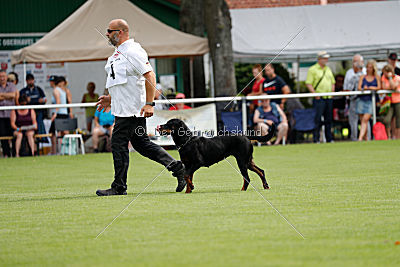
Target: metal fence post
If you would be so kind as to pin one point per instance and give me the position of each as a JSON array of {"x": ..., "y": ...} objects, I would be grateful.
[
  {"x": 374, "y": 107},
  {"x": 244, "y": 115}
]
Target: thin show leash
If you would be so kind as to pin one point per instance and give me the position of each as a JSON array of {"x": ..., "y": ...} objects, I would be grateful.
[
  {"x": 266, "y": 66},
  {"x": 263, "y": 197},
  {"x": 144, "y": 189},
  {"x": 133, "y": 200},
  {"x": 266, "y": 200}
]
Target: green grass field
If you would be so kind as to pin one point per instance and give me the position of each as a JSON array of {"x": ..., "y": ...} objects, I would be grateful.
[{"x": 343, "y": 197}]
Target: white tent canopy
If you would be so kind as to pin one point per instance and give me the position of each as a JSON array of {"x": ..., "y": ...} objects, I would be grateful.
[
  {"x": 76, "y": 39},
  {"x": 369, "y": 28}
]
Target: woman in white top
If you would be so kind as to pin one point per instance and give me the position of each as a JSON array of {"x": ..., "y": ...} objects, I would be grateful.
[{"x": 61, "y": 95}]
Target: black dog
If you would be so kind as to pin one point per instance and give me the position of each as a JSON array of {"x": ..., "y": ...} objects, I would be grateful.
[{"x": 196, "y": 152}]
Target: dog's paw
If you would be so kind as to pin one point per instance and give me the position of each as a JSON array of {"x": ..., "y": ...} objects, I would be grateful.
[{"x": 266, "y": 186}]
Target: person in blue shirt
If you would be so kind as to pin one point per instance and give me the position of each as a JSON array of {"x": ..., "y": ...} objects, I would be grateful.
[
  {"x": 35, "y": 96},
  {"x": 268, "y": 113},
  {"x": 104, "y": 124}
]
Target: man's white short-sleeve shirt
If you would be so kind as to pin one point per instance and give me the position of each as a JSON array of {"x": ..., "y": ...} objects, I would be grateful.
[{"x": 125, "y": 81}]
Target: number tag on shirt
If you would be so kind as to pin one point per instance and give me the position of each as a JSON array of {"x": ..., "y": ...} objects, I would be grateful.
[{"x": 116, "y": 71}]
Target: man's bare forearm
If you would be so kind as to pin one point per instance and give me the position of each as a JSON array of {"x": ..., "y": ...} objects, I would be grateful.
[
  {"x": 7, "y": 95},
  {"x": 150, "y": 85},
  {"x": 310, "y": 88}
]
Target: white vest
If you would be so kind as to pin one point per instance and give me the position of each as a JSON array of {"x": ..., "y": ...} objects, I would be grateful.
[{"x": 125, "y": 81}]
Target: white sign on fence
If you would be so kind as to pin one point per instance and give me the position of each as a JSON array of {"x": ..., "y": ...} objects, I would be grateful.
[{"x": 202, "y": 120}]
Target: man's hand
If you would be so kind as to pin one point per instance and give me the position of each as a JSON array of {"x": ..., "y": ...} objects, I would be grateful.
[
  {"x": 147, "y": 110},
  {"x": 104, "y": 103}
]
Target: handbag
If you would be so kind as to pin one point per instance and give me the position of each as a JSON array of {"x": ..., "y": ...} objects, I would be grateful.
[
  {"x": 379, "y": 131},
  {"x": 384, "y": 106}
]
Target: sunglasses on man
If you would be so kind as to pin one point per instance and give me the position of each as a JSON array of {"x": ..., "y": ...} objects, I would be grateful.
[{"x": 110, "y": 31}]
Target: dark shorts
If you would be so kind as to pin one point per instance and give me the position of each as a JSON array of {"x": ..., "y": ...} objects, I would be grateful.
[{"x": 52, "y": 126}]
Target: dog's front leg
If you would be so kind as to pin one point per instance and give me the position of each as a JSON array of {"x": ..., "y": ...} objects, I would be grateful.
[
  {"x": 191, "y": 181},
  {"x": 245, "y": 184},
  {"x": 189, "y": 184}
]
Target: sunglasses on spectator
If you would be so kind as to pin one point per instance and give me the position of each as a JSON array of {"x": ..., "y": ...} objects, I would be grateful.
[{"x": 110, "y": 31}]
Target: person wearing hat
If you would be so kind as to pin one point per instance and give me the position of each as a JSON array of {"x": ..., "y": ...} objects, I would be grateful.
[
  {"x": 179, "y": 106},
  {"x": 35, "y": 96},
  {"x": 52, "y": 80},
  {"x": 320, "y": 79},
  {"x": 392, "y": 60},
  {"x": 131, "y": 84}
]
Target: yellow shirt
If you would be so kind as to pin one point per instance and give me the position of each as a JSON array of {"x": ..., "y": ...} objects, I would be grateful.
[{"x": 315, "y": 73}]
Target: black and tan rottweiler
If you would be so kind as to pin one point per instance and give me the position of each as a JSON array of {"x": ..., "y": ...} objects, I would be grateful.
[{"x": 196, "y": 152}]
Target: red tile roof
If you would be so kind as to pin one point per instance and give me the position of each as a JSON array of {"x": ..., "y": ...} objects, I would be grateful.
[{"x": 233, "y": 4}]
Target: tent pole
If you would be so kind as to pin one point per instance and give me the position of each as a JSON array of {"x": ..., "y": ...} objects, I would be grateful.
[
  {"x": 24, "y": 73},
  {"x": 191, "y": 79},
  {"x": 298, "y": 75}
]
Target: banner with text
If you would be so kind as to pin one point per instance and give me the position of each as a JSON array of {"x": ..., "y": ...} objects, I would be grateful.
[{"x": 202, "y": 121}]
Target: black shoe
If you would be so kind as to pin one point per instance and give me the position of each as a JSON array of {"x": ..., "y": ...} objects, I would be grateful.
[
  {"x": 181, "y": 184},
  {"x": 178, "y": 170},
  {"x": 109, "y": 192}
]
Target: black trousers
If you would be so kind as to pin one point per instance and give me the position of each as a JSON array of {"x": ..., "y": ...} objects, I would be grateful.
[
  {"x": 323, "y": 107},
  {"x": 133, "y": 129},
  {"x": 5, "y": 130}
]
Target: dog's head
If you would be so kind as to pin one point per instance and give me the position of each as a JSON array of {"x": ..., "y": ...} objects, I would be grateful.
[{"x": 172, "y": 126}]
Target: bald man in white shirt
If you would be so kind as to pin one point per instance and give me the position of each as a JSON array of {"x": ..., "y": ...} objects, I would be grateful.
[{"x": 131, "y": 84}]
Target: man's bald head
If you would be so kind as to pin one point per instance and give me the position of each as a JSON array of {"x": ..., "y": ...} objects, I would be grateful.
[
  {"x": 120, "y": 24},
  {"x": 118, "y": 31}
]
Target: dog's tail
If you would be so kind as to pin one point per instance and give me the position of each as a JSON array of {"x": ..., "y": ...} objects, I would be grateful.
[{"x": 264, "y": 138}]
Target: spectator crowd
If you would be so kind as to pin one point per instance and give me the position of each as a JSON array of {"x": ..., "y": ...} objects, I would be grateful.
[
  {"x": 26, "y": 126},
  {"x": 354, "y": 111},
  {"x": 21, "y": 129}
]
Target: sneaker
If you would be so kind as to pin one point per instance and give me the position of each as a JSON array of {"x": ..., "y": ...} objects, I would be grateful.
[{"x": 109, "y": 192}]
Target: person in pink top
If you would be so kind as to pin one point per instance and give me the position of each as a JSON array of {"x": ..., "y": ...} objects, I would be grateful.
[
  {"x": 23, "y": 121},
  {"x": 390, "y": 81}
]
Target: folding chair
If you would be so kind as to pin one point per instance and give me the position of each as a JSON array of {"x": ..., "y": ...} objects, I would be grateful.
[{"x": 304, "y": 121}]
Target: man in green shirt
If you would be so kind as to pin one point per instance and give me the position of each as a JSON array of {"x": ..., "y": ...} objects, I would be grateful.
[{"x": 320, "y": 79}]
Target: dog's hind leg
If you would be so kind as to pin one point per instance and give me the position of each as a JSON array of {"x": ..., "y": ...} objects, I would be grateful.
[
  {"x": 253, "y": 167},
  {"x": 243, "y": 170}
]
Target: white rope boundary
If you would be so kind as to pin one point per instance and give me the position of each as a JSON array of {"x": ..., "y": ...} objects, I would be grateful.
[{"x": 207, "y": 99}]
